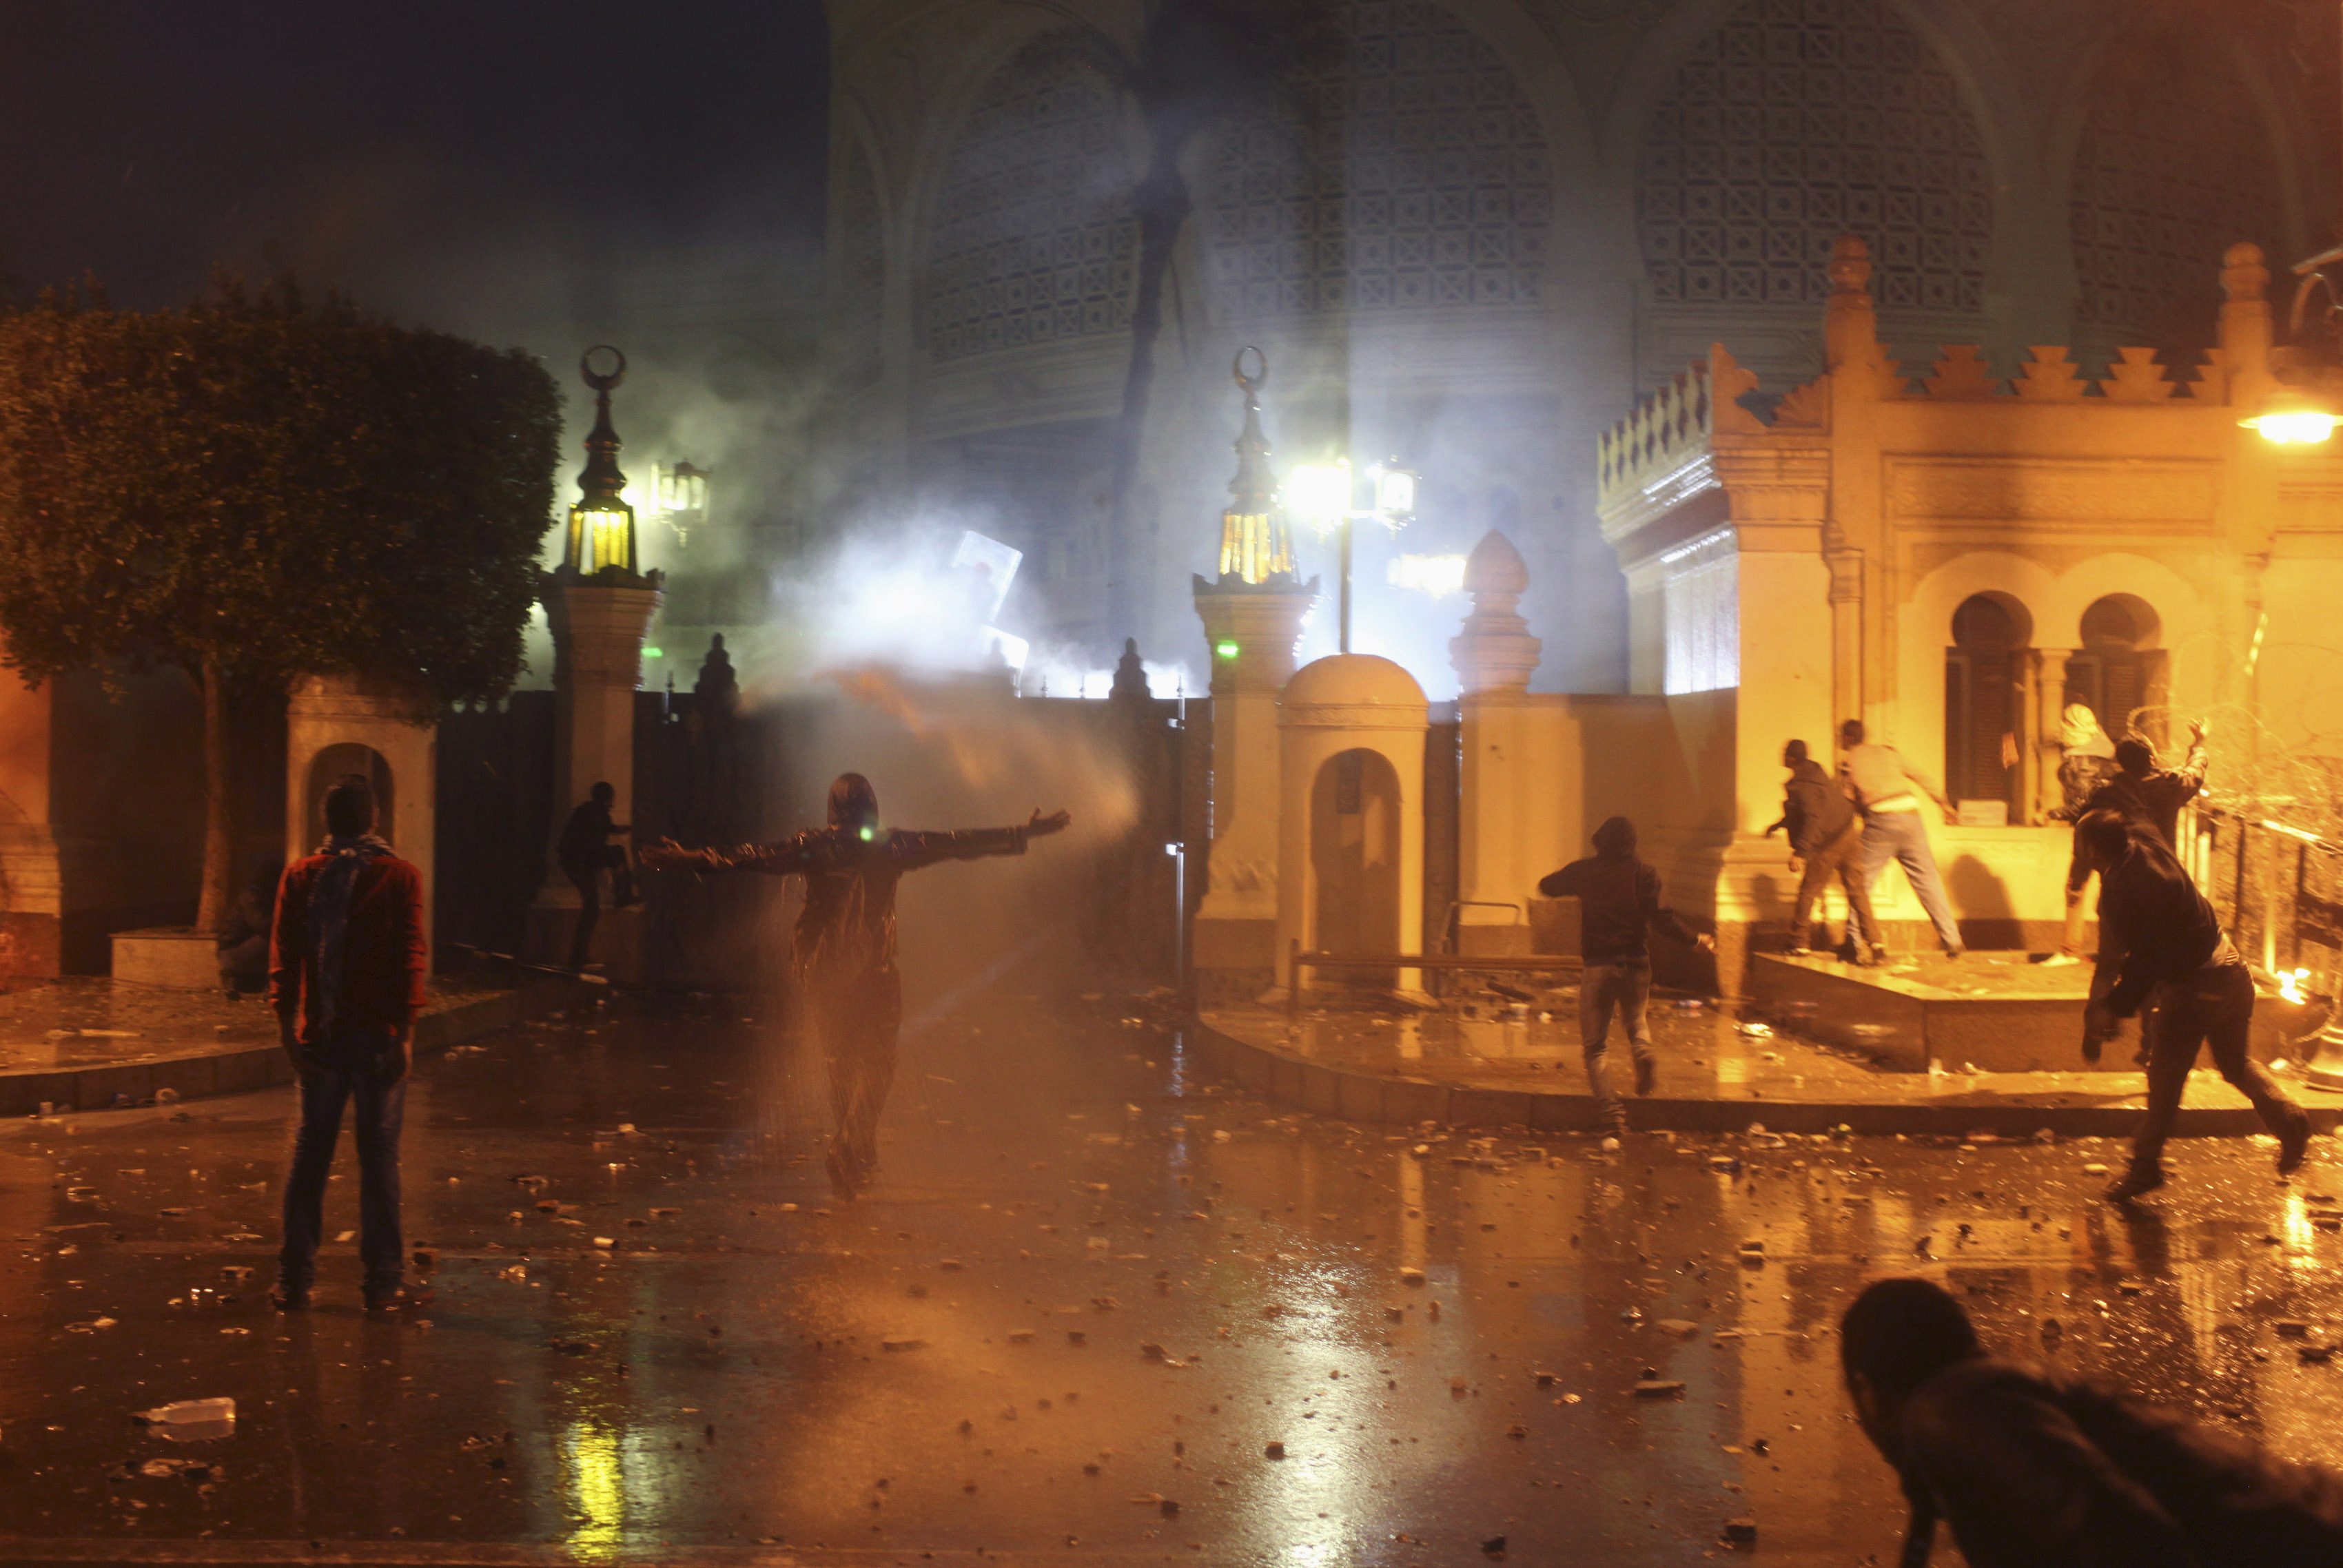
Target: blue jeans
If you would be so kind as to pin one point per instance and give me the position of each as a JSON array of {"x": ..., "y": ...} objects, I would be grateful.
[
  {"x": 1902, "y": 836},
  {"x": 349, "y": 1070},
  {"x": 1601, "y": 989}
]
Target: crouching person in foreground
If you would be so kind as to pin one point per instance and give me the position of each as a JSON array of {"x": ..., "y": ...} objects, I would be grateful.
[{"x": 2033, "y": 1468}]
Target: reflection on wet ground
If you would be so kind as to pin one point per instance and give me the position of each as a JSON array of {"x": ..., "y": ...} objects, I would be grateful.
[{"x": 1086, "y": 1297}]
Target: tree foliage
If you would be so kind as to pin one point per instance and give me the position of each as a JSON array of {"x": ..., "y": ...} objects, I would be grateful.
[{"x": 258, "y": 487}]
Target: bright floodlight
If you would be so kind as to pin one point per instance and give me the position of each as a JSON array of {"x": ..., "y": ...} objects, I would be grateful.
[
  {"x": 1395, "y": 493},
  {"x": 2292, "y": 418},
  {"x": 1319, "y": 493}
]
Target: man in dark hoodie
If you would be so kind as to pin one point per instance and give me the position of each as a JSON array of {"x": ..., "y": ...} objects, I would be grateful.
[
  {"x": 1826, "y": 841},
  {"x": 2161, "y": 943},
  {"x": 2038, "y": 1469},
  {"x": 1618, "y": 899}
]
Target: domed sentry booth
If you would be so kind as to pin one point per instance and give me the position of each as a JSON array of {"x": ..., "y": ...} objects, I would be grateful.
[
  {"x": 1350, "y": 870},
  {"x": 338, "y": 726}
]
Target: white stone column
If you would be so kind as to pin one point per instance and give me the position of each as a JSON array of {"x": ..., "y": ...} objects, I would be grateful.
[
  {"x": 598, "y": 628},
  {"x": 1506, "y": 821},
  {"x": 1250, "y": 631}
]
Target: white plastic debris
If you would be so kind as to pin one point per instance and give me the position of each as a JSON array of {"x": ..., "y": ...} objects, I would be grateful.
[{"x": 190, "y": 1412}]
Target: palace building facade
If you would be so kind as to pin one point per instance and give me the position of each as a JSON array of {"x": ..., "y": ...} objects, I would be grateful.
[{"x": 1470, "y": 235}]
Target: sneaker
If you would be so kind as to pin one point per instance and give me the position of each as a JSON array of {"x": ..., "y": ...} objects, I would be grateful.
[
  {"x": 398, "y": 1299},
  {"x": 1611, "y": 1143},
  {"x": 1879, "y": 955},
  {"x": 1956, "y": 953},
  {"x": 1798, "y": 951},
  {"x": 1647, "y": 1074},
  {"x": 2134, "y": 1183},
  {"x": 290, "y": 1297},
  {"x": 2293, "y": 1145},
  {"x": 2060, "y": 960}
]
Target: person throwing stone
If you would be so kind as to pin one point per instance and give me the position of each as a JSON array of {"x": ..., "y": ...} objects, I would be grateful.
[
  {"x": 1618, "y": 899},
  {"x": 2161, "y": 943},
  {"x": 844, "y": 948},
  {"x": 1888, "y": 789},
  {"x": 1826, "y": 841}
]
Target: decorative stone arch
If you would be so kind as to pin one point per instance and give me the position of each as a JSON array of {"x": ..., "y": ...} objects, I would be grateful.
[
  {"x": 864, "y": 264},
  {"x": 337, "y": 725},
  {"x": 1916, "y": 721},
  {"x": 964, "y": 293},
  {"x": 1962, "y": 166},
  {"x": 2127, "y": 168},
  {"x": 1333, "y": 709}
]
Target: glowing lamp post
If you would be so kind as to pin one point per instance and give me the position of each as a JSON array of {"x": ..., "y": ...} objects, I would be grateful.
[
  {"x": 1323, "y": 494},
  {"x": 599, "y": 605},
  {"x": 601, "y": 523},
  {"x": 2290, "y": 416}
]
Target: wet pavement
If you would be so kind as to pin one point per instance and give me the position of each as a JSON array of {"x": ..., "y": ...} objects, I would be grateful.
[{"x": 1086, "y": 1296}]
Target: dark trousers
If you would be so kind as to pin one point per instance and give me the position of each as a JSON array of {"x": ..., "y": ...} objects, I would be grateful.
[
  {"x": 1841, "y": 857},
  {"x": 857, "y": 1022},
  {"x": 586, "y": 876},
  {"x": 2214, "y": 1007},
  {"x": 349, "y": 1072},
  {"x": 1602, "y": 989}
]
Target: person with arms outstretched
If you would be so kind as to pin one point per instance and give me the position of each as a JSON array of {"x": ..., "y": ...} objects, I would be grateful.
[{"x": 844, "y": 948}]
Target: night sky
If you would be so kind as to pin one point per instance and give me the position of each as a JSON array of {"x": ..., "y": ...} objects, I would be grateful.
[{"x": 476, "y": 163}]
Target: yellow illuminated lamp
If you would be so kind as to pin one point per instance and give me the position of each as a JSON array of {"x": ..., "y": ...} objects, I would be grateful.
[
  {"x": 1254, "y": 544},
  {"x": 1320, "y": 494},
  {"x": 2290, "y": 416},
  {"x": 601, "y": 525}
]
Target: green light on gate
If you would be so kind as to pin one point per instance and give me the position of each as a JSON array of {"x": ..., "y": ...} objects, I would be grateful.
[
  {"x": 1225, "y": 649},
  {"x": 654, "y": 653},
  {"x": 867, "y": 835}
]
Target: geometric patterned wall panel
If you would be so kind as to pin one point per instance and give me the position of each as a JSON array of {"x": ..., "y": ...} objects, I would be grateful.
[
  {"x": 2173, "y": 168},
  {"x": 1034, "y": 239},
  {"x": 859, "y": 256},
  {"x": 1408, "y": 171},
  {"x": 1797, "y": 121}
]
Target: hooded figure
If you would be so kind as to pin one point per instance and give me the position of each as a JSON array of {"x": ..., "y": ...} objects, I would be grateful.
[
  {"x": 2087, "y": 759},
  {"x": 1618, "y": 898},
  {"x": 843, "y": 950}
]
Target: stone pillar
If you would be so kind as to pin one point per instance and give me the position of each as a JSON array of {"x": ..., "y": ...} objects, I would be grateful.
[
  {"x": 1506, "y": 826},
  {"x": 2049, "y": 717},
  {"x": 1846, "y": 635},
  {"x": 598, "y": 625},
  {"x": 1250, "y": 630}
]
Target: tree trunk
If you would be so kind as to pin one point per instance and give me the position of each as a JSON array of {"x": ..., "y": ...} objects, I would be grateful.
[
  {"x": 1163, "y": 205},
  {"x": 219, "y": 802}
]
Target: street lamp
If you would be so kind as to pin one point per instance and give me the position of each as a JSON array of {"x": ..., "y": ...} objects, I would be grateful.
[
  {"x": 601, "y": 524},
  {"x": 1322, "y": 495},
  {"x": 2297, "y": 414}
]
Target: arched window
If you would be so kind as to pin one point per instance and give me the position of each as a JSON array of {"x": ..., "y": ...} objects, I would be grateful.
[
  {"x": 1034, "y": 241},
  {"x": 1985, "y": 706},
  {"x": 2119, "y": 672},
  {"x": 1798, "y": 121}
]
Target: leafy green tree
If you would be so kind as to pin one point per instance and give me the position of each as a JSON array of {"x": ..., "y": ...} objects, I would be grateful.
[{"x": 258, "y": 487}]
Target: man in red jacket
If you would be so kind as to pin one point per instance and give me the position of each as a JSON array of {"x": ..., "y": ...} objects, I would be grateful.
[{"x": 345, "y": 971}]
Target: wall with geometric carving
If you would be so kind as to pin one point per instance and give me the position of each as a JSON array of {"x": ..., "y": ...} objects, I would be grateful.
[
  {"x": 1797, "y": 121},
  {"x": 2174, "y": 167},
  {"x": 1407, "y": 171},
  {"x": 1033, "y": 240}
]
